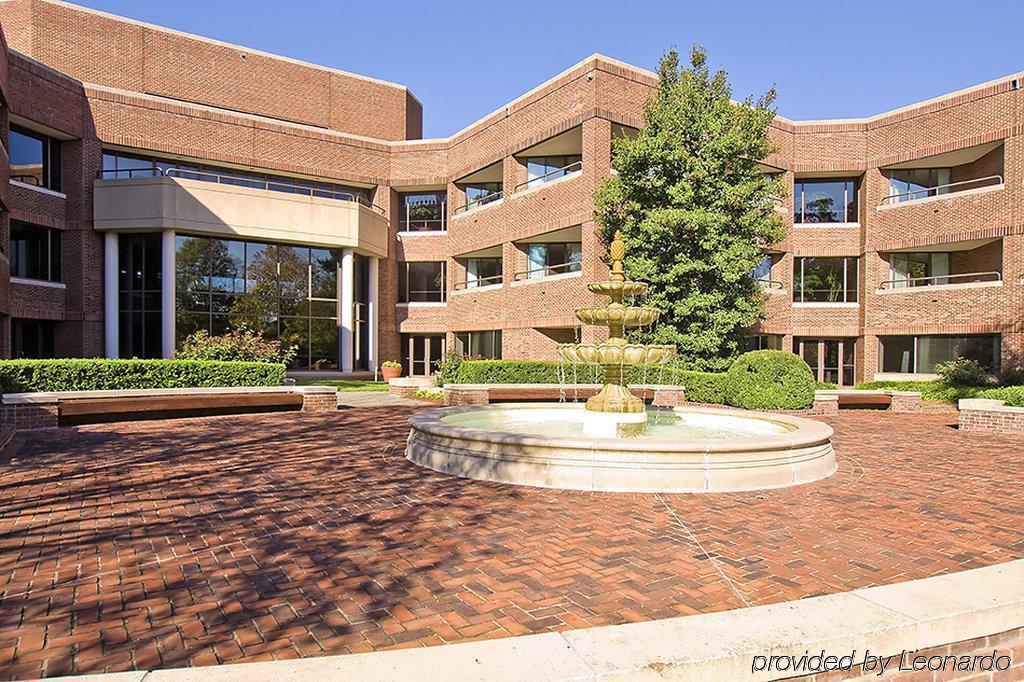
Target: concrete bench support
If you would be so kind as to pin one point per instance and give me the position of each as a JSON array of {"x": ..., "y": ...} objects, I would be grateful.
[
  {"x": 483, "y": 394},
  {"x": 992, "y": 416}
]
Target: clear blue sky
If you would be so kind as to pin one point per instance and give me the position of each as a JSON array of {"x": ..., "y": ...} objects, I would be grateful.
[{"x": 828, "y": 58}]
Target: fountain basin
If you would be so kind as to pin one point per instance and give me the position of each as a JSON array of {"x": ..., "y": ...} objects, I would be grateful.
[{"x": 685, "y": 449}]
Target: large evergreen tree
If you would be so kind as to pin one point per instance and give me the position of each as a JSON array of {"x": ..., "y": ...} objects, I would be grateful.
[{"x": 695, "y": 209}]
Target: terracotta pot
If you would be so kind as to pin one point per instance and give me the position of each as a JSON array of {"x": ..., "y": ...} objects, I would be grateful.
[{"x": 390, "y": 373}]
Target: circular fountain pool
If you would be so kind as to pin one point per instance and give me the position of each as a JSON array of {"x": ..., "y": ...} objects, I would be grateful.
[{"x": 685, "y": 449}]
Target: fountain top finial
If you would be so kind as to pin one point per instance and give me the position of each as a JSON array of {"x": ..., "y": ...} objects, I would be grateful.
[{"x": 617, "y": 253}]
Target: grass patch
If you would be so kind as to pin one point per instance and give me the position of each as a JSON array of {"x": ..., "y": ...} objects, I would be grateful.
[{"x": 345, "y": 385}]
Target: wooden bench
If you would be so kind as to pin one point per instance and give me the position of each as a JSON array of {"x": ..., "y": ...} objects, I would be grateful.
[{"x": 68, "y": 408}]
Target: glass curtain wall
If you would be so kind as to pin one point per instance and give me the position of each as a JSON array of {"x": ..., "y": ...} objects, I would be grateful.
[{"x": 289, "y": 293}]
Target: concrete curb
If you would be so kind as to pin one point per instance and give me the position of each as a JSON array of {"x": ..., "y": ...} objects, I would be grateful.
[{"x": 886, "y": 620}]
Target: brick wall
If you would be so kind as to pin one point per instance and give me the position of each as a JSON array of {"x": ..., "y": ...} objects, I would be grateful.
[{"x": 346, "y": 128}]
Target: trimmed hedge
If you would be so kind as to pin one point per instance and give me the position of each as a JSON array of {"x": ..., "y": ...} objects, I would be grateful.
[
  {"x": 937, "y": 390},
  {"x": 701, "y": 387},
  {"x": 1013, "y": 395},
  {"x": 769, "y": 380},
  {"x": 29, "y": 376}
]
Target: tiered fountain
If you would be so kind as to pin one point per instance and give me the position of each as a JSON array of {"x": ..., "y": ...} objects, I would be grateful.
[
  {"x": 614, "y": 406},
  {"x": 614, "y": 442}
]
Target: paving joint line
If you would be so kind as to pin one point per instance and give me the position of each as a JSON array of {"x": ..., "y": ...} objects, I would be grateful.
[{"x": 709, "y": 555}]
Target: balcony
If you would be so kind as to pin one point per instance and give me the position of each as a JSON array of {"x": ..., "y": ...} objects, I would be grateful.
[
  {"x": 482, "y": 188},
  {"x": 963, "y": 265},
  {"x": 552, "y": 255},
  {"x": 218, "y": 206},
  {"x": 551, "y": 160},
  {"x": 423, "y": 212},
  {"x": 971, "y": 170},
  {"x": 483, "y": 270}
]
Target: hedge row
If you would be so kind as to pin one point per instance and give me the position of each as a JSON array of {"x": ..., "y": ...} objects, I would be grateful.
[
  {"x": 29, "y": 376},
  {"x": 759, "y": 380},
  {"x": 1013, "y": 395}
]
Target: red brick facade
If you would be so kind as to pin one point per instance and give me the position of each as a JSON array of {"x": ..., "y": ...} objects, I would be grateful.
[{"x": 95, "y": 80}]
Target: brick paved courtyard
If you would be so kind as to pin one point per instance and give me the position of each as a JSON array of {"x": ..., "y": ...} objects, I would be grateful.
[{"x": 194, "y": 542}]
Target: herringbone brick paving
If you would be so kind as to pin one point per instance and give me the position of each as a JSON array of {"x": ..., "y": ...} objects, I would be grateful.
[{"x": 194, "y": 542}]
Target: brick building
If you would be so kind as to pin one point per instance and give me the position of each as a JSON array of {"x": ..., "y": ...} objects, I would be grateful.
[{"x": 161, "y": 183}]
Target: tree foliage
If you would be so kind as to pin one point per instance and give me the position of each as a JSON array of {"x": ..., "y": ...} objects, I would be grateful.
[{"x": 695, "y": 207}]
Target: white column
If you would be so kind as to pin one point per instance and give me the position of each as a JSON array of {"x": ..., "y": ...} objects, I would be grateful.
[
  {"x": 347, "y": 309},
  {"x": 111, "y": 277},
  {"x": 372, "y": 294},
  {"x": 167, "y": 294}
]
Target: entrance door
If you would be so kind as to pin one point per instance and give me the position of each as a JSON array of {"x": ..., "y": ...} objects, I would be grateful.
[
  {"x": 423, "y": 354},
  {"x": 831, "y": 360}
]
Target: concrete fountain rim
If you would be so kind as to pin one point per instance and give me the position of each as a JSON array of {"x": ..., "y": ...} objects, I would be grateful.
[{"x": 803, "y": 432}]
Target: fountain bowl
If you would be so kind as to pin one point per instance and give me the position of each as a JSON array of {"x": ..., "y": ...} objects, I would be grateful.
[
  {"x": 630, "y": 354},
  {"x": 683, "y": 449},
  {"x": 618, "y": 314}
]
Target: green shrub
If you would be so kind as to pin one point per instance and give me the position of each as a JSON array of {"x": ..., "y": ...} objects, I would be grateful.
[
  {"x": 1012, "y": 376},
  {"x": 448, "y": 371},
  {"x": 962, "y": 372},
  {"x": 769, "y": 380},
  {"x": 28, "y": 376},
  {"x": 1013, "y": 395},
  {"x": 701, "y": 387},
  {"x": 241, "y": 344},
  {"x": 940, "y": 391}
]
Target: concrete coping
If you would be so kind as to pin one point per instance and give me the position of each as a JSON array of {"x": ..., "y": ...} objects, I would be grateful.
[
  {"x": 874, "y": 391},
  {"x": 410, "y": 381},
  {"x": 887, "y": 620},
  {"x": 799, "y": 432},
  {"x": 54, "y": 397},
  {"x": 988, "y": 405}
]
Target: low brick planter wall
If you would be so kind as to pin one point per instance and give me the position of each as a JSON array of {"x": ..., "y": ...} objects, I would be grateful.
[
  {"x": 406, "y": 387},
  {"x": 25, "y": 411},
  {"x": 993, "y": 416}
]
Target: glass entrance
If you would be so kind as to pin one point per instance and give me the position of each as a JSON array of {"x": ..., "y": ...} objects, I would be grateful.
[
  {"x": 422, "y": 353},
  {"x": 831, "y": 360}
]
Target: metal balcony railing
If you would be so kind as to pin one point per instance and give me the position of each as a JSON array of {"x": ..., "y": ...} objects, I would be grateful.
[
  {"x": 936, "y": 280},
  {"x": 770, "y": 284},
  {"x": 548, "y": 270},
  {"x": 478, "y": 282},
  {"x": 925, "y": 192},
  {"x": 480, "y": 201},
  {"x": 239, "y": 181},
  {"x": 551, "y": 175}
]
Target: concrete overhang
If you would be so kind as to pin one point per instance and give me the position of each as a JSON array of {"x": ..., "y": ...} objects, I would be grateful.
[
  {"x": 232, "y": 212},
  {"x": 949, "y": 159}
]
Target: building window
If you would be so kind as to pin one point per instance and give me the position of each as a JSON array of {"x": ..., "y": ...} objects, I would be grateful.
[
  {"x": 35, "y": 158},
  {"x": 764, "y": 342},
  {"x": 482, "y": 193},
  {"x": 917, "y": 183},
  {"x": 424, "y": 212},
  {"x": 831, "y": 360},
  {"x": 32, "y": 338},
  {"x": 553, "y": 258},
  {"x": 421, "y": 282},
  {"x": 541, "y": 169},
  {"x": 825, "y": 279},
  {"x": 826, "y": 200},
  {"x": 35, "y": 252},
  {"x": 481, "y": 272},
  {"x": 919, "y": 269},
  {"x": 139, "y": 292},
  {"x": 120, "y": 166},
  {"x": 920, "y": 354},
  {"x": 288, "y": 293},
  {"x": 484, "y": 345}
]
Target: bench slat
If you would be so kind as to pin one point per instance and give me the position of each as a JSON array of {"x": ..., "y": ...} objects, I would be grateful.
[
  {"x": 848, "y": 399},
  {"x": 98, "y": 406}
]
